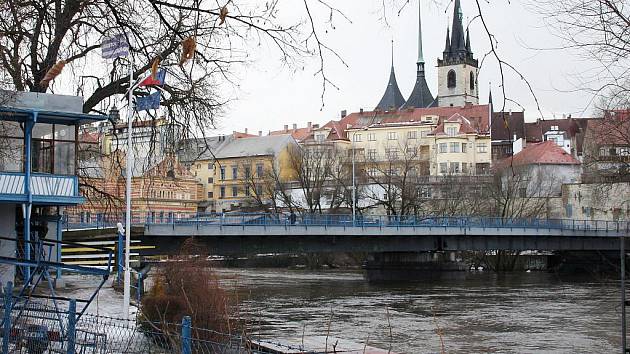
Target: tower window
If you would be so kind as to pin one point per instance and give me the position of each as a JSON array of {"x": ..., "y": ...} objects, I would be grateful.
[
  {"x": 451, "y": 80},
  {"x": 472, "y": 81}
]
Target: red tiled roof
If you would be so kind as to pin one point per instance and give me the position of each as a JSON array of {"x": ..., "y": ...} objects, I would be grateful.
[
  {"x": 238, "y": 135},
  {"x": 298, "y": 134},
  {"x": 478, "y": 113},
  {"x": 535, "y": 131},
  {"x": 337, "y": 132},
  {"x": 515, "y": 125},
  {"x": 465, "y": 127},
  {"x": 609, "y": 131},
  {"x": 546, "y": 153}
]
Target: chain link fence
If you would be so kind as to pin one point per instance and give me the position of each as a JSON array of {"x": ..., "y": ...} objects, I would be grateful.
[{"x": 33, "y": 326}]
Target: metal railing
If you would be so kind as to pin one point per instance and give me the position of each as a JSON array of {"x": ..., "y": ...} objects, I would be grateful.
[
  {"x": 36, "y": 327},
  {"x": 344, "y": 220}
]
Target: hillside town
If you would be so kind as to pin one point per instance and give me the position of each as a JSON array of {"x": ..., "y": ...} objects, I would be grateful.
[{"x": 443, "y": 216}]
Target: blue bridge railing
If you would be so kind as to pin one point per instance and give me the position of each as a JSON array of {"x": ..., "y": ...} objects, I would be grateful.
[{"x": 76, "y": 221}]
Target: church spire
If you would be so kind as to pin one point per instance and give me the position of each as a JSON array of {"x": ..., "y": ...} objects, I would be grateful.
[
  {"x": 421, "y": 96},
  {"x": 420, "y": 55},
  {"x": 447, "y": 47},
  {"x": 468, "y": 50},
  {"x": 392, "y": 98},
  {"x": 458, "y": 44}
]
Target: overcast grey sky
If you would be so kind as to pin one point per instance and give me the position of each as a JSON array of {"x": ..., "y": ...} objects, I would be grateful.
[{"x": 271, "y": 95}]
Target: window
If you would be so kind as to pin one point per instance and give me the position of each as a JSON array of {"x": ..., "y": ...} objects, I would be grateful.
[
  {"x": 454, "y": 147},
  {"x": 464, "y": 165},
  {"x": 320, "y": 138},
  {"x": 554, "y": 127},
  {"x": 371, "y": 137},
  {"x": 234, "y": 172},
  {"x": 235, "y": 191},
  {"x": 371, "y": 154},
  {"x": 248, "y": 171},
  {"x": 522, "y": 192},
  {"x": 210, "y": 195},
  {"x": 424, "y": 192},
  {"x": 392, "y": 153},
  {"x": 356, "y": 137},
  {"x": 222, "y": 195},
  {"x": 372, "y": 171},
  {"x": 210, "y": 179},
  {"x": 442, "y": 148},
  {"x": 451, "y": 79},
  {"x": 259, "y": 190},
  {"x": 472, "y": 81},
  {"x": 454, "y": 167},
  {"x": 443, "y": 167},
  {"x": 412, "y": 134},
  {"x": 259, "y": 170},
  {"x": 392, "y": 136},
  {"x": 423, "y": 133},
  {"x": 482, "y": 147},
  {"x": 222, "y": 173},
  {"x": 210, "y": 165},
  {"x": 247, "y": 192},
  {"x": 464, "y": 146},
  {"x": 451, "y": 131}
]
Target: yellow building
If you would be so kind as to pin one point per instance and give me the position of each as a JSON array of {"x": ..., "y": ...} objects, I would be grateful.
[
  {"x": 247, "y": 170},
  {"x": 459, "y": 148}
]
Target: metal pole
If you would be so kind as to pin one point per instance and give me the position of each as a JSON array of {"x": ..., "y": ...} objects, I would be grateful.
[
  {"x": 58, "y": 246},
  {"x": 354, "y": 189},
  {"x": 622, "y": 254},
  {"x": 8, "y": 307},
  {"x": 127, "y": 283},
  {"x": 72, "y": 326},
  {"x": 186, "y": 345}
]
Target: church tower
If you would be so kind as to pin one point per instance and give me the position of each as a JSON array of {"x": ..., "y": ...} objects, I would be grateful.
[{"x": 457, "y": 70}]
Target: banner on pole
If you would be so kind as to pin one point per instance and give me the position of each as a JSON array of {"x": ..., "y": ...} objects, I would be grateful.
[
  {"x": 114, "y": 47},
  {"x": 151, "y": 101}
]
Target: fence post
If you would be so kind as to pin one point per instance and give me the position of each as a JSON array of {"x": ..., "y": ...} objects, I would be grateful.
[
  {"x": 186, "y": 347},
  {"x": 8, "y": 304},
  {"x": 72, "y": 313},
  {"x": 120, "y": 257}
]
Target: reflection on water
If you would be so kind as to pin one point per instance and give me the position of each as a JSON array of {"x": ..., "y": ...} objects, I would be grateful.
[{"x": 481, "y": 313}]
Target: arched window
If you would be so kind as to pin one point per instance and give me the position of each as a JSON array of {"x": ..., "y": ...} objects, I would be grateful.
[
  {"x": 472, "y": 81},
  {"x": 451, "y": 80}
]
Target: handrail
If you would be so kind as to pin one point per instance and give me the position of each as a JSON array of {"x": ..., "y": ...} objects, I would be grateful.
[{"x": 340, "y": 220}]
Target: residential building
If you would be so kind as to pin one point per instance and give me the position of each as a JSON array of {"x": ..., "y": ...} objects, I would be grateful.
[
  {"x": 607, "y": 148},
  {"x": 596, "y": 201},
  {"x": 460, "y": 147},
  {"x": 568, "y": 133},
  {"x": 248, "y": 168},
  {"x": 507, "y": 127},
  {"x": 541, "y": 169}
]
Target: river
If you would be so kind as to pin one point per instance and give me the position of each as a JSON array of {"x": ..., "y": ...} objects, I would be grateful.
[{"x": 480, "y": 312}]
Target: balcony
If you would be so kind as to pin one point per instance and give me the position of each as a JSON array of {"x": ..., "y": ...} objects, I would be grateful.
[{"x": 46, "y": 189}]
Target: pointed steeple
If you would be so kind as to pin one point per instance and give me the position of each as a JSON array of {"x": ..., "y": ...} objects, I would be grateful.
[
  {"x": 420, "y": 55},
  {"x": 490, "y": 97},
  {"x": 458, "y": 44},
  {"x": 468, "y": 50},
  {"x": 392, "y": 98},
  {"x": 447, "y": 47},
  {"x": 421, "y": 96}
]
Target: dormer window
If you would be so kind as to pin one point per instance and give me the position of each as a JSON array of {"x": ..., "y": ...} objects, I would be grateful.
[{"x": 451, "y": 131}]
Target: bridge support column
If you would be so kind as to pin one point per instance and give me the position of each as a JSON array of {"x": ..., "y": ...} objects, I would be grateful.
[{"x": 410, "y": 266}]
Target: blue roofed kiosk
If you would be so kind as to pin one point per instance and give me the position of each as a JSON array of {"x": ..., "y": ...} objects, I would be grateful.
[{"x": 38, "y": 172}]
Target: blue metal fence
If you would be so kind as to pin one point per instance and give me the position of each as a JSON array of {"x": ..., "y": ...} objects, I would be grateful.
[{"x": 77, "y": 221}]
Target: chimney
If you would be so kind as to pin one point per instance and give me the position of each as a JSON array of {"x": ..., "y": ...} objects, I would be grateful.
[
  {"x": 260, "y": 133},
  {"x": 360, "y": 110},
  {"x": 510, "y": 111},
  {"x": 344, "y": 113},
  {"x": 245, "y": 130},
  {"x": 286, "y": 128},
  {"x": 309, "y": 125},
  {"x": 294, "y": 126}
]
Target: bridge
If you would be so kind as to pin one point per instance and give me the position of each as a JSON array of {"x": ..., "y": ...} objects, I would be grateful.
[{"x": 232, "y": 234}]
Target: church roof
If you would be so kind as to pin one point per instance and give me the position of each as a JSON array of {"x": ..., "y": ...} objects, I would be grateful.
[{"x": 392, "y": 98}]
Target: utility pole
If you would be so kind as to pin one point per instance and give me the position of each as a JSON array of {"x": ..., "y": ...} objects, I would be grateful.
[{"x": 354, "y": 188}]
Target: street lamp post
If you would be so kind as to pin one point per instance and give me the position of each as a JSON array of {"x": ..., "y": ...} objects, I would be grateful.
[{"x": 354, "y": 187}]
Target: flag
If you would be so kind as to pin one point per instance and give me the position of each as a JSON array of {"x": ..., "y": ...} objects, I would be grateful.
[
  {"x": 159, "y": 79},
  {"x": 151, "y": 101},
  {"x": 114, "y": 47}
]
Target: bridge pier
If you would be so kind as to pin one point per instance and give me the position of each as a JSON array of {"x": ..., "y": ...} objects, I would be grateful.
[{"x": 413, "y": 266}]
